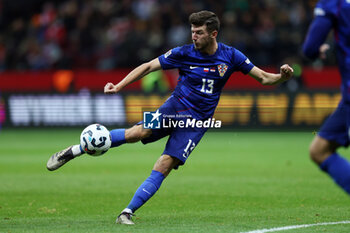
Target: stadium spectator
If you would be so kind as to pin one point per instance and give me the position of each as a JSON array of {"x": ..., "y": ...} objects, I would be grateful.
[{"x": 105, "y": 34}]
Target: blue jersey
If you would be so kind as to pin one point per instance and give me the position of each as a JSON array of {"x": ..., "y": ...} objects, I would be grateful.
[
  {"x": 202, "y": 77},
  {"x": 332, "y": 14}
]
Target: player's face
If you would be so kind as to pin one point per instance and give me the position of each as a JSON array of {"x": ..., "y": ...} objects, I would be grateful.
[{"x": 201, "y": 37}]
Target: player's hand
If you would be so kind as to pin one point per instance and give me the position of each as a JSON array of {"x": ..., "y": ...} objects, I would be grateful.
[
  {"x": 286, "y": 72},
  {"x": 110, "y": 88},
  {"x": 323, "y": 50}
]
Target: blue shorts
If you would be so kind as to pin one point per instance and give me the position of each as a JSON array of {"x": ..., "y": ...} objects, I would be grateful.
[
  {"x": 181, "y": 141},
  {"x": 336, "y": 127}
]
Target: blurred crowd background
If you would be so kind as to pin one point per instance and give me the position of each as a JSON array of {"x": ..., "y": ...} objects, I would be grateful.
[{"x": 107, "y": 34}]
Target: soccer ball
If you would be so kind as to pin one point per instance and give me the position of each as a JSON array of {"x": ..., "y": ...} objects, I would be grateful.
[{"x": 95, "y": 139}]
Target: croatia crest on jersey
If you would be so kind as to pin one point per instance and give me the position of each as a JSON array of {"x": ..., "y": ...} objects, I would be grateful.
[{"x": 222, "y": 69}]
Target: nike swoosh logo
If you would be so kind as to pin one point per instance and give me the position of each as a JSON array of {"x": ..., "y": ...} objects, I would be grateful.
[
  {"x": 146, "y": 191},
  {"x": 193, "y": 67}
]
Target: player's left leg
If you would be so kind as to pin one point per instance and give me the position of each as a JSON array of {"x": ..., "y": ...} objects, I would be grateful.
[
  {"x": 149, "y": 187},
  {"x": 180, "y": 144}
]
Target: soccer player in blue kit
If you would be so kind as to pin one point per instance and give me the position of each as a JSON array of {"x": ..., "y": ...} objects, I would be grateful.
[
  {"x": 204, "y": 68},
  {"x": 335, "y": 132}
]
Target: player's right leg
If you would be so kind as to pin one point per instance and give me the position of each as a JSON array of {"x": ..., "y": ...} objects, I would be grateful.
[
  {"x": 60, "y": 158},
  {"x": 118, "y": 136}
]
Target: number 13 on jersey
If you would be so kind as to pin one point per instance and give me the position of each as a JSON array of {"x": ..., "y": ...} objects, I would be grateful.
[
  {"x": 189, "y": 148},
  {"x": 207, "y": 86}
]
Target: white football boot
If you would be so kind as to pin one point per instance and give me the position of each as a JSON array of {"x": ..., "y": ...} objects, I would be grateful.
[
  {"x": 125, "y": 218},
  {"x": 59, "y": 159}
]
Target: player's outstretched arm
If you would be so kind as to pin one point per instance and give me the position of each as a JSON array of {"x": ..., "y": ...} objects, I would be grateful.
[
  {"x": 265, "y": 78},
  {"x": 136, "y": 74}
]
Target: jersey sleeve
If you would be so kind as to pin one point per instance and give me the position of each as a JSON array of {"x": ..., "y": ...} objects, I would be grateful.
[
  {"x": 316, "y": 36},
  {"x": 171, "y": 59},
  {"x": 325, "y": 13},
  {"x": 326, "y": 8},
  {"x": 241, "y": 62}
]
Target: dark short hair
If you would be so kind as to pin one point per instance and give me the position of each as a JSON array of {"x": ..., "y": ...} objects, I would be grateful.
[{"x": 207, "y": 18}]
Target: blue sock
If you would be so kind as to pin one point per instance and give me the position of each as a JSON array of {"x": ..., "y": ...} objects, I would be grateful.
[
  {"x": 339, "y": 169},
  {"x": 118, "y": 137},
  {"x": 146, "y": 190}
]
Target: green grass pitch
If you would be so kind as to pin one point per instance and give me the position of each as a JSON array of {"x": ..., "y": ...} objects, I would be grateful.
[{"x": 232, "y": 182}]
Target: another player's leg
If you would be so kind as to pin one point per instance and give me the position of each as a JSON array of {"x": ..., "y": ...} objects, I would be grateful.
[
  {"x": 323, "y": 153},
  {"x": 118, "y": 137},
  {"x": 333, "y": 134}
]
